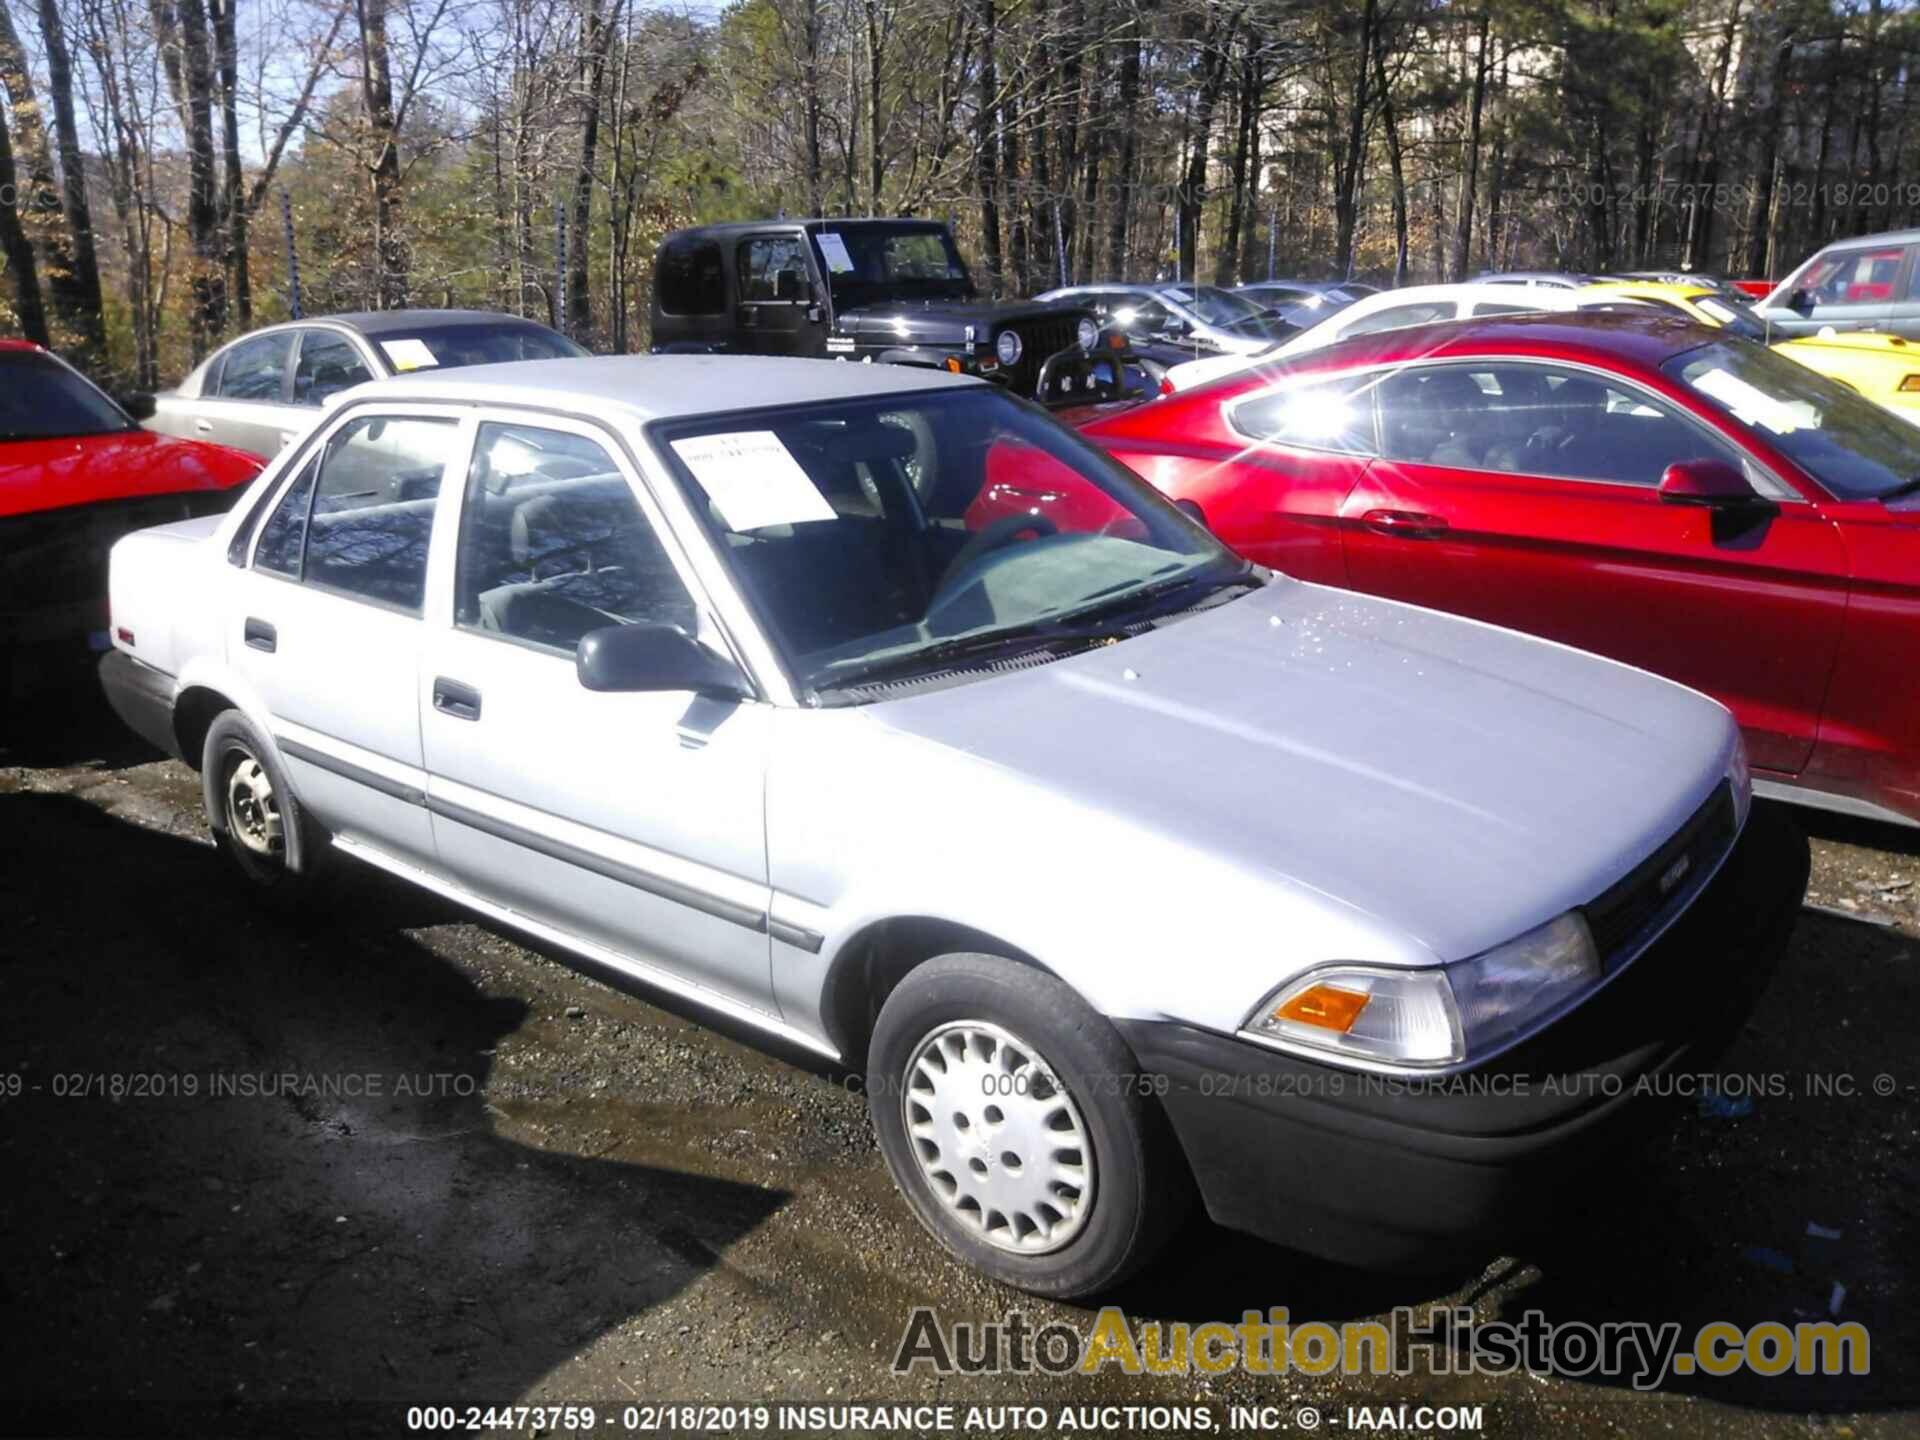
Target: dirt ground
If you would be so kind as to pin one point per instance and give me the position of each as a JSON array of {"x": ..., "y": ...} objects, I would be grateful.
[{"x": 441, "y": 1168}]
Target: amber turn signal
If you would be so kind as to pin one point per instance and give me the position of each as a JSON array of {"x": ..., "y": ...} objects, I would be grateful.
[
  {"x": 1910, "y": 383},
  {"x": 953, "y": 363},
  {"x": 1330, "y": 1007}
]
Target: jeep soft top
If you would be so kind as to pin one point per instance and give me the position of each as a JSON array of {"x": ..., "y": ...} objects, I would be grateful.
[{"x": 876, "y": 291}]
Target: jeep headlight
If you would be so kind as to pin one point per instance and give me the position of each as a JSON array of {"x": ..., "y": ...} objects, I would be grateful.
[
  {"x": 1008, "y": 347},
  {"x": 1087, "y": 333},
  {"x": 1427, "y": 1019}
]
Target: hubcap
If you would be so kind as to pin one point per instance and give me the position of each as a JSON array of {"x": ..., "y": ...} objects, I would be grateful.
[
  {"x": 253, "y": 815},
  {"x": 998, "y": 1137}
]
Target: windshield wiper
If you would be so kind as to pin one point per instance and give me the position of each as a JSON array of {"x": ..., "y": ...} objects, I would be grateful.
[
  {"x": 1019, "y": 639},
  {"x": 1904, "y": 488},
  {"x": 1103, "y": 623}
]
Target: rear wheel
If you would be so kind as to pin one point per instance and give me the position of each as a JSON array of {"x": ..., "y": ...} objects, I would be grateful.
[
  {"x": 256, "y": 821},
  {"x": 1013, "y": 1119}
]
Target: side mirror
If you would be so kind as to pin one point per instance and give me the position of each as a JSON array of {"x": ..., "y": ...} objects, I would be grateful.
[
  {"x": 139, "y": 404},
  {"x": 789, "y": 286},
  {"x": 655, "y": 657},
  {"x": 1707, "y": 482},
  {"x": 1800, "y": 300}
]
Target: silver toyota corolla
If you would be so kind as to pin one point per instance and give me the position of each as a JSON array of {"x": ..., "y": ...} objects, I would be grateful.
[{"x": 878, "y": 711}]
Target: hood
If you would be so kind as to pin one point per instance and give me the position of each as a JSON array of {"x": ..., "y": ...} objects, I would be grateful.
[
  {"x": 1454, "y": 781},
  {"x": 941, "y": 321},
  {"x": 53, "y": 474}
]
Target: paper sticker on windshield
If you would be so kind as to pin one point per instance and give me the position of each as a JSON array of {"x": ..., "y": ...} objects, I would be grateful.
[
  {"x": 834, "y": 251},
  {"x": 753, "y": 480},
  {"x": 1754, "y": 406},
  {"x": 409, "y": 355}
]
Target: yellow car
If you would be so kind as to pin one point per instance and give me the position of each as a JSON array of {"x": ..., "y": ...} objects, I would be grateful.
[{"x": 1884, "y": 368}]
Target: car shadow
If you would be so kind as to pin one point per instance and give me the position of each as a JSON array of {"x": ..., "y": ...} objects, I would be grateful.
[
  {"x": 1869, "y": 834},
  {"x": 260, "y": 1183}
]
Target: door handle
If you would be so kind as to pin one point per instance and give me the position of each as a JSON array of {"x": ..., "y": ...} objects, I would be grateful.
[
  {"x": 203, "y": 427},
  {"x": 259, "y": 635},
  {"x": 450, "y": 697},
  {"x": 1404, "y": 524}
]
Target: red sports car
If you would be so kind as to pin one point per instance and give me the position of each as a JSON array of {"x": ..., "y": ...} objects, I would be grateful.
[
  {"x": 76, "y": 473},
  {"x": 1664, "y": 494}
]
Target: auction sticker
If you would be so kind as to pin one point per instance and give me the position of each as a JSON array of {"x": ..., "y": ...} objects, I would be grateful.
[{"x": 753, "y": 479}]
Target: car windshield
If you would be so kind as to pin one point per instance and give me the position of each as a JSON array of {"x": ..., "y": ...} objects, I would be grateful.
[
  {"x": 1214, "y": 305},
  {"x": 917, "y": 532},
  {"x": 40, "y": 399},
  {"x": 864, "y": 263},
  {"x": 1854, "y": 448},
  {"x": 1734, "y": 320},
  {"x": 449, "y": 347}
]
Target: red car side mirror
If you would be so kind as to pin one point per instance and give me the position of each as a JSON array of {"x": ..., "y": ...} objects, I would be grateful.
[{"x": 1707, "y": 482}]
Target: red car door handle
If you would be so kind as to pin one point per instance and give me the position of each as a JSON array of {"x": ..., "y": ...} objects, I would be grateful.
[{"x": 1406, "y": 524}]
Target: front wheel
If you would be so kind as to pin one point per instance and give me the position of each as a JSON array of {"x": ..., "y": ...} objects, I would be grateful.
[
  {"x": 251, "y": 809},
  {"x": 1013, "y": 1120}
]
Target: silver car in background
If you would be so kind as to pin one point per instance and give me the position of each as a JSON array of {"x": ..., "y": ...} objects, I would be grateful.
[
  {"x": 875, "y": 711},
  {"x": 261, "y": 391}
]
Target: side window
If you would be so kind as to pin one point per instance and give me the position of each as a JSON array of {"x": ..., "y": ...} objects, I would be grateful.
[
  {"x": 1329, "y": 415},
  {"x": 554, "y": 545},
  {"x": 1500, "y": 307},
  {"x": 1536, "y": 420},
  {"x": 373, "y": 504},
  {"x": 284, "y": 536},
  {"x": 1395, "y": 317},
  {"x": 773, "y": 268},
  {"x": 689, "y": 280},
  {"x": 255, "y": 368},
  {"x": 328, "y": 364},
  {"x": 1853, "y": 277}
]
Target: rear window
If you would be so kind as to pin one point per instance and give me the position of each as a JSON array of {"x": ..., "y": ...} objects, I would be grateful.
[
  {"x": 40, "y": 399},
  {"x": 688, "y": 278},
  {"x": 450, "y": 347}
]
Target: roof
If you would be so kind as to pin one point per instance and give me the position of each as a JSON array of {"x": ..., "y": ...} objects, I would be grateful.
[
  {"x": 1646, "y": 340},
  {"x": 411, "y": 322},
  {"x": 729, "y": 228},
  {"x": 1654, "y": 289},
  {"x": 653, "y": 387},
  {"x": 1875, "y": 242}
]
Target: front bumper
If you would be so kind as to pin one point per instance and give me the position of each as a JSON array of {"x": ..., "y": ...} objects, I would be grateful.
[
  {"x": 1397, "y": 1173},
  {"x": 142, "y": 697}
]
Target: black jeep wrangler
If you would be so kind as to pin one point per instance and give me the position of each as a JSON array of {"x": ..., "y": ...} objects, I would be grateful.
[{"x": 889, "y": 291}]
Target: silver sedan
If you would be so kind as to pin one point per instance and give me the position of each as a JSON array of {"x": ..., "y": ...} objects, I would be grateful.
[
  {"x": 262, "y": 391},
  {"x": 880, "y": 713}
]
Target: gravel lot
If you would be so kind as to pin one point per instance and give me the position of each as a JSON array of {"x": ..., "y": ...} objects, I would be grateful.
[{"x": 544, "y": 1189}]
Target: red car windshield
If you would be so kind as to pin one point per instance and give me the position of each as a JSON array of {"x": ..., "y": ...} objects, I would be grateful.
[
  {"x": 40, "y": 399},
  {"x": 1852, "y": 446}
]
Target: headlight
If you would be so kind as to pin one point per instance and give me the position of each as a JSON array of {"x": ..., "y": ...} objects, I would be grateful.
[
  {"x": 1086, "y": 332},
  {"x": 1424, "y": 1019},
  {"x": 1741, "y": 778},
  {"x": 1008, "y": 347},
  {"x": 1507, "y": 990}
]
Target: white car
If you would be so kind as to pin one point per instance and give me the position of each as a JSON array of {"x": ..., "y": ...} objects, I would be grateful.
[
  {"x": 259, "y": 392},
  {"x": 1382, "y": 310},
  {"x": 873, "y": 709}
]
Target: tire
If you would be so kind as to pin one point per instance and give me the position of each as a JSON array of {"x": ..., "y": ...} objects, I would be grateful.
[
  {"x": 990, "y": 1038},
  {"x": 256, "y": 821}
]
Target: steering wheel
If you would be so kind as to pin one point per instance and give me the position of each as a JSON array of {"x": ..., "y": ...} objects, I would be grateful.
[{"x": 1000, "y": 533}]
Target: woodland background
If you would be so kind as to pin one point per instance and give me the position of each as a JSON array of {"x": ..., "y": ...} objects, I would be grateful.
[{"x": 165, "y": 165}]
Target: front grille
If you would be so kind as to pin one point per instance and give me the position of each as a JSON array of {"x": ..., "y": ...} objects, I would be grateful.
[
  {"x": 1660, "y": 884},
  {"x": 59, "y": 557},
  {"x": 1041, "y": 337}
]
